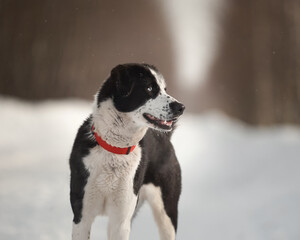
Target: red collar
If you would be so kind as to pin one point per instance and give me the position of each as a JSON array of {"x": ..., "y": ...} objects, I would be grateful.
[{"x": 109, "y": 148}]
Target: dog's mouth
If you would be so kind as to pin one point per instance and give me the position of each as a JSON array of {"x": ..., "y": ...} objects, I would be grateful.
[{"x": 163, "y": 124}]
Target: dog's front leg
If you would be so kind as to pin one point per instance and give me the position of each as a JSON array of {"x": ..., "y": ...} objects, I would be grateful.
[
  {"x": 119, "y": 230},
  {"x": 81, "y": 231},
  {"x": 85, "y": 215},
  {"x": 120, "y": 215}
]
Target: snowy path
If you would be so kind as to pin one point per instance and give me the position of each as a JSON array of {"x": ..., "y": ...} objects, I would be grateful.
[{"x": 238, "y": 182}]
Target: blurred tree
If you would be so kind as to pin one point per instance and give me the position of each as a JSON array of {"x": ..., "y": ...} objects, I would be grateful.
[
  {"x": 52, "y": 48},
  {"x": 256, "y": 76}
]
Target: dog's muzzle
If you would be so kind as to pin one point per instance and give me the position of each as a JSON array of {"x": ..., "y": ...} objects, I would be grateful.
[{"x": 176, "y": 108}]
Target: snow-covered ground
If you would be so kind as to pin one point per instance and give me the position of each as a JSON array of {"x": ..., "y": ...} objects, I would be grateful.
[{"x": 239, "y": 182}]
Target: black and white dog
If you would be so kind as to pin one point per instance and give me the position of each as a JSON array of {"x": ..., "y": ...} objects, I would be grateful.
[{"x": 122, "y": 155}]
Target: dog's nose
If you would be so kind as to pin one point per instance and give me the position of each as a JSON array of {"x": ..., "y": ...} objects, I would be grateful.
[{"x": 177, "y": 108}]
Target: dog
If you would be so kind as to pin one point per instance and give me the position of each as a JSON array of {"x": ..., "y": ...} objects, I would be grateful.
[{"x": 122, "y": 155}]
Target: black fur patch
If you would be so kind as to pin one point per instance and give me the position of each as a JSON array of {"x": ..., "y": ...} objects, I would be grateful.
[
  {"x": 160, "y": 167},
  {"x": 128, "y": 86},
  {"x": 79, "y": 175}
]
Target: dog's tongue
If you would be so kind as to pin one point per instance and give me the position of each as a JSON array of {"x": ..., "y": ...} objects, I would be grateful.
[
  {"x": 167, "y": 123},
  {"x": 162, "y": 122}
]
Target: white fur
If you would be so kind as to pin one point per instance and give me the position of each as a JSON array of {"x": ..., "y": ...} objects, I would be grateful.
[
  {"x": 109, "y": 191},
  {"x": 118, "y": 129},
  {"x": 159, "y": 79},
  {"x": 153, "y": 195}
]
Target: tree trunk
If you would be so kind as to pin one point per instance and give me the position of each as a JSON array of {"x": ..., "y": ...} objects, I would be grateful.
[
  {"x": 256, "y": 76},
  {"x": 55, "y": 48}
]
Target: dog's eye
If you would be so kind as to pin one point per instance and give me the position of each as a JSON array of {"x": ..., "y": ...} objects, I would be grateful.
[{"x": 149, "y": 89}]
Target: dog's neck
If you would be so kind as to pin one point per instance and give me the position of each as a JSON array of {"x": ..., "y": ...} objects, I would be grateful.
[{"x": 116, "y": 128}]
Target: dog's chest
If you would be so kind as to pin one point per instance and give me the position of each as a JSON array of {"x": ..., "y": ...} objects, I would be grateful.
[{"x": 111, "y": 173}]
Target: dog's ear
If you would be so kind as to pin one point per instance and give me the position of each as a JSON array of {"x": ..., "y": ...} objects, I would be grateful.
[{"x": 123, "y": 82}]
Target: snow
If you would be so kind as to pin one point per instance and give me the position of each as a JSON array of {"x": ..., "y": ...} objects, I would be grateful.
[{"x": 239, "y": 182}]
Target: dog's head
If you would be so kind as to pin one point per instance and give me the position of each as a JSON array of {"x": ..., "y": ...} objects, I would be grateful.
[{"x": 140, "y": 91}]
